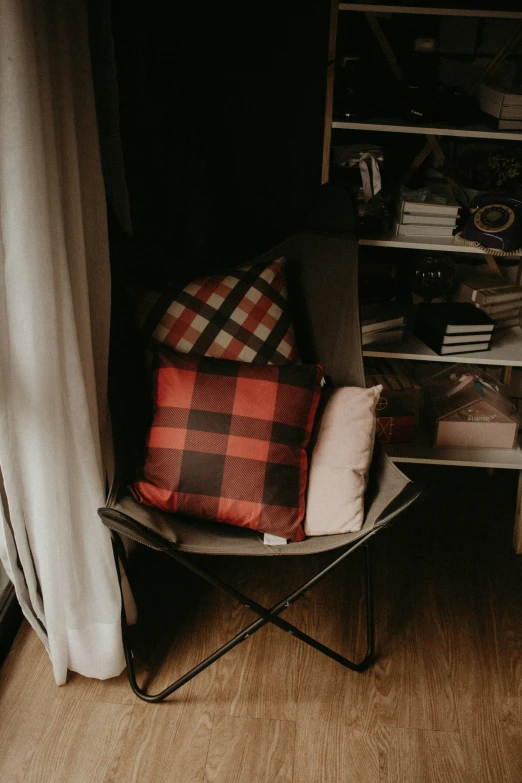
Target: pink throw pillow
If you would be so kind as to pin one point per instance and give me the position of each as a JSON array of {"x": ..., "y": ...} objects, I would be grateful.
[{"x": 340, "y": 462}]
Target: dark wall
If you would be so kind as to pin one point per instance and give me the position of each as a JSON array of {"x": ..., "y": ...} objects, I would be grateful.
[{"x": 222, "y": 112}]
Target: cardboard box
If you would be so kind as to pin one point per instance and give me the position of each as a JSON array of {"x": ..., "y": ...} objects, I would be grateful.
[
  {"x": 468, "y": 409},
  {"x": 399, "y": 403}
]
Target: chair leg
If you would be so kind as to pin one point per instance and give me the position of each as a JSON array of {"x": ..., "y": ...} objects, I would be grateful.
[
  {"x": 265, "y": 616},
  {"x": 369, "y": 656},
  {"x": 121, "y": 558}
]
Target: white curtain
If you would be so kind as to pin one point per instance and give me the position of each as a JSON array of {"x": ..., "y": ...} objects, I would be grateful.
[{"x": 54, "y": 337}]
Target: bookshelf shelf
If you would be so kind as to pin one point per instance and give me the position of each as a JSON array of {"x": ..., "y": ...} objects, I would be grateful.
[
  {"x": 431, "y": 130},
  {"x": 433, "y": 10},
  {"x": 422, "y": 451},
  {"x": 419, "y": 243},
  {"x": 506, "y": 349},
  {"x": 506, "y": 345}
]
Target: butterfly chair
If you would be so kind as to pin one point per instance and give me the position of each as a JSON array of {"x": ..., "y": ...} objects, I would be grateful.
[{"x": 322, "y": 281}]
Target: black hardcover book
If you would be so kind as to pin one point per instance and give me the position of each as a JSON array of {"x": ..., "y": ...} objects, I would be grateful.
[
  {"x": 439, "y": 343},
  {"x": 453, "y": 318}
]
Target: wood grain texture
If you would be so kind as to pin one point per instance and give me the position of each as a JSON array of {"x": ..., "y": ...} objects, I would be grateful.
[
  {"x": 82, "y": 743},
  {"x": 415, "y": 755},
  {"x": 27, "y": 696},
  {"x": 493, "y": 749},
  {"x": 413, "y": 673},
  {"x": 442, "y": 703},
  {"x": 179, "y": 626},
  {"x": 113, "y": 691},
  {"x": 166, "y": 742},
  {"x": 334, "y": 614},
  {"x": 253, "y": 680},
  {"x": 327, "y": 752},
  {"x": 243, "y": 750}
]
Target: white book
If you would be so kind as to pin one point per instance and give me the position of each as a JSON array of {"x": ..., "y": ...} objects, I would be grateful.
[
  {"x": 501, "y": 112},
  {"x": 510, "y": 124},
  {"x": 502, "y": 309},
  {"x": 486, "y": 289},
  {"x": 376, "y": 316},
  {"x": 408, "y": 219},
  {"x": 428, "y": 208},
  {"x": 383, "y": 336},
  {"x": 514, "y": 313},
  {"x": 498, "y": 95},
  {"x": 450, "y": 339},
  {"x": 463, "y": 348},
  {"x": 423, "y": 231}
]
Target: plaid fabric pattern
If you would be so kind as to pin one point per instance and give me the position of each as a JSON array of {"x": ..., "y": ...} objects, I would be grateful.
[
  {"x": 242, "y": 315},
  {"x": 228, "y": 441}
]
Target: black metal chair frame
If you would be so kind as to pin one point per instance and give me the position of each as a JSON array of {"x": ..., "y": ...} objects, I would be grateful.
[
  {"x": 322, "y": 267},
  {"x": 272, "y": 615}
]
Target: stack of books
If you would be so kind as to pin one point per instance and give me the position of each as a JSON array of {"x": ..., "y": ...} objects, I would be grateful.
[
  {"x": 453, "y": 327},
  {"x": 505, "y": 107},
  {"x": 426, "y": 218},
  {"x": 500, "y": 300},
  {"x": 381, "y": 322}
]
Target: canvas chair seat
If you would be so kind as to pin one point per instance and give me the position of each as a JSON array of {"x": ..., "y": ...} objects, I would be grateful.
[
  {"x": 154, "y": 528},
  {"x": 322, "y": 271}
]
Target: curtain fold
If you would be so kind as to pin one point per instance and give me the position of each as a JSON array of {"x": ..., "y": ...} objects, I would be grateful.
[{"x": 54, "y": 338}]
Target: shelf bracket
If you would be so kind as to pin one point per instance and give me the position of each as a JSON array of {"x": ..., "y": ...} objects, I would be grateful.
[
  {"x": 495, "y": 62},
  {"x": 492, "y": 264},
  {"x": 431, "y": 146},
  {"x": 384, "y": 44}
]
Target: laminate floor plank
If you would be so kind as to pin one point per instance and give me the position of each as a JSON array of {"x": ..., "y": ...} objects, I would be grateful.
[
  {"x": 166, "y": 743},
  {"x": 442, "y": 703},
  {"x": 511, "y": 732},
  {"x": 259, "y": 678},
  {"x": 333, "y": 751},
  {"x": 493, "y": 752},
  {"x": 178, "y": 626},
  {"x": 413, "y": 671},
  {"x": 82, "y": 743},
  {"x": 418, "y": 756},
  {"x": 112, "y": 691},
  {"x": 505, "y": 605},
  {"x": 244, "y": 750},
  {"x": 487, "y": 615},
  {"x": 26, "y": 670},
  {"x": 27, "y": 700},
  {"x": 334, "y": 613}
]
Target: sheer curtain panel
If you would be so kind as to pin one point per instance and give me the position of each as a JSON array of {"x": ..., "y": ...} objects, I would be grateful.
[{"x": 54, "y": 337}]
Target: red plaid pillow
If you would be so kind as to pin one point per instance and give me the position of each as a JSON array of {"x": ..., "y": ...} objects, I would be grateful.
[
  {"x": 228, "y": 441},
  {"x": 241, "y": 315}
]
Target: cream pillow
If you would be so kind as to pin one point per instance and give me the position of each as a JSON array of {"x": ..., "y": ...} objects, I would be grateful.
[{"x": 340, "y": 462}]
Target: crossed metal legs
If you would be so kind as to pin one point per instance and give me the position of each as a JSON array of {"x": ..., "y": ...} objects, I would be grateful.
[{"x": 264, "y": 616}]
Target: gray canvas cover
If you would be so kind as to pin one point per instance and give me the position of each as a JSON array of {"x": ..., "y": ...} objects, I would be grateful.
[{"x": 323, "y": 291}]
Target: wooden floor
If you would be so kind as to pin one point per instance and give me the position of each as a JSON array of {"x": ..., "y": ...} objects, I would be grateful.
[{"x": 443, "y": 702}]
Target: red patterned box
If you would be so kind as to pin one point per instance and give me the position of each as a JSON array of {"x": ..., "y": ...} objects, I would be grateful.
[
  {"x": 399, "y": 403},
  {"x": 396, "y": 429}
]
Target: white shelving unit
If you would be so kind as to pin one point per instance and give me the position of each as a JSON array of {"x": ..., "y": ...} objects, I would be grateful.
[
  {"x": 444, "y": 244},
  {"x": 506, "y": 350},
  {"x": 473, "y": 132},
  {"x": 434, "y": 10},
  {"x": 421, "y": 451}
]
